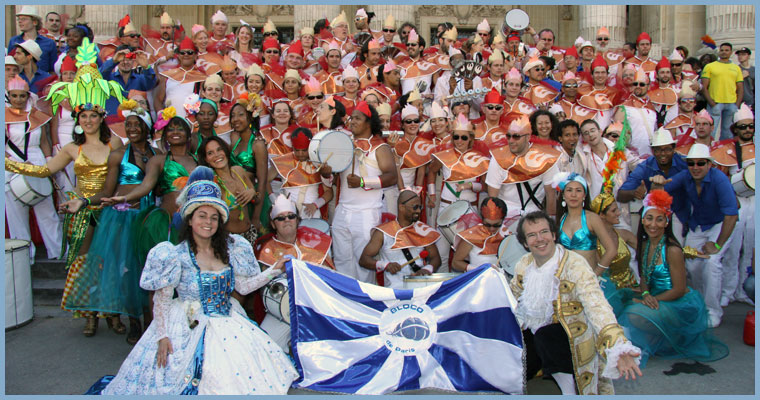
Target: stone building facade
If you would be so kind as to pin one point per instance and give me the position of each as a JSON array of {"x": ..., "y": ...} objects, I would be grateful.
[{"x": 669, "y": 25}]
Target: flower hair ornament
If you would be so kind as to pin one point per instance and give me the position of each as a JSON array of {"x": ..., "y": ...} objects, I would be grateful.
[
  {"x": 660, "y": 200},
  {"x": 192, "y": 104},
  {"x": 89, "y": 91},
  {"x": 131, "y": 107},
  {"x": 252, "y": 102},
  {"x": 164, "y": 116}
]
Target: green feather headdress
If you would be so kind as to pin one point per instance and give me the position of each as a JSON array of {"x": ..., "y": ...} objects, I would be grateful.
[{"x": 89, "y": 91}]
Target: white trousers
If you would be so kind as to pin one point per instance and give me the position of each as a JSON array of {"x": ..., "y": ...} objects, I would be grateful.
[
  {"x": 351, "y": 230},
  {"x": 706, "y": 275},
  {"x": 740, "y": 251}
]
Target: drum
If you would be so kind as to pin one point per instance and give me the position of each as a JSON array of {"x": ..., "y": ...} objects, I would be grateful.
[
  {"x": 413, "y": 282},
  {"x": 510, "y": 252},
  {"x": 449, "y": 216},
  {"x": 316, "y": 223},
  {"x": 744, "y": 181},
  {"x": 333, "y": 147},
  {"x": 29, "y": 190},
  {"x": 276, "y": 296},
  {"x": 19, "y": 308},
  {"x": 516, "y": 20}
]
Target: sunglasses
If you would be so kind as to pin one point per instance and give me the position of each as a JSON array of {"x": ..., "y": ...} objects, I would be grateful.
[
  {"x": 492, "y": 225},
  {"x": 412, "y": 44},
  {"x": 284, "y": 217},
  {"x": 386, "y": 30},
  {"x": 484, "y": 34},
  {"x": 272, "y": 51},
  {"x": 266, "y": 34},
  {"x": 318, "y": 97},
  {"x": 538, "y": 69},
  {"x": 570, "y": 85},
  {"x": 412, "y": 121},
  {"x": 514, "y": 136},
  {"x": 457, "y": 137},
  {"x": 603, "y": 39},
  {"x": 697, "y": 163},
  {"x": 676, "y": 64},
  {"x": 492, "y": 107},
  {"x": 186, "y": 52},
  {"x": 416, "y": 207},
  {"x": 688, "y": 100},
  {"x": 639, "y": 84},
  {"x": 613, "y": 135},
  {"x": 745, "y": 126},
  {"x": 134, "y": 35}
]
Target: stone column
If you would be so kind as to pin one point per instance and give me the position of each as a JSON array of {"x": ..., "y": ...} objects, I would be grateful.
[
  {"x": 593, "y": 17},
  {"x": 103, "y": 19},
  {"x": 731, "y": 23},
  {"x": 402, "y": 13},
  {"x": 306, "y": 15}
]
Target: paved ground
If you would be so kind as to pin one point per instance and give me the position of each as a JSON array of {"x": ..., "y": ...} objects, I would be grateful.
[{"x": 51, "y": 356}]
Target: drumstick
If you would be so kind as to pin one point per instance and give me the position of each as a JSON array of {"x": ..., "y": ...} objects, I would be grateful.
[
  {"x": 423, "y": 254},
  {"x": 353, "y": 159},
  {"x": 327, "y": 158}
]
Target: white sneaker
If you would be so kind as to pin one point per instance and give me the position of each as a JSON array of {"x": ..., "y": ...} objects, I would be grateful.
[
  {"x": 724, "y": 301},
  {"x": 713, "y": 322}
]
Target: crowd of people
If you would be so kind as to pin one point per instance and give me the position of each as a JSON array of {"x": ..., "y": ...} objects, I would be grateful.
[{"x": 190, "y": 160}]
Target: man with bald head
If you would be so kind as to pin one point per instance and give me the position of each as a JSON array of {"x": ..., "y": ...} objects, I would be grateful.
[{"x": 400, "y": 241}]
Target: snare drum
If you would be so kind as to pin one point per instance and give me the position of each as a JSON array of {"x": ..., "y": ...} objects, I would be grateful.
[
  {"x": 449, "y": 218},
  {"x": 18, "y": 284},
  {"x": 316, "y": 223},
  {"x": 413, "y": 282},
  {"x": 29, "y": 190},
  {"x": 516, "y": 19},
  {"x": 276, "y": 298},
  {"x": 333, "y": 147},
  {"x": 744, "y": 181},
  {"x": 510, "y": 252}
]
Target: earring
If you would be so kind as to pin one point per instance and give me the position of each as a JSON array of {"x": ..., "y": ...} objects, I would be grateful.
[
  {"x": 584, "y": 203},
  {"x": 78, "y": 129},
  {"x": 564, "y": 204}
]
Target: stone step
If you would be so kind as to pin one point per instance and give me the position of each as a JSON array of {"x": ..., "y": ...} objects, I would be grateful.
[
  {"x": 49, "y": 269},
  {"x": 47, "y": 291}
]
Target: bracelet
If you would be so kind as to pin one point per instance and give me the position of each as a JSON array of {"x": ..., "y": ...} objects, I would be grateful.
[
  {"x": 602, "y": 266},
  {"x": 646, "y": 292},
  {"x": 717, "y": 246},
  {"x": 361, "y": 184},
  {"x": 86, "y": 201}
]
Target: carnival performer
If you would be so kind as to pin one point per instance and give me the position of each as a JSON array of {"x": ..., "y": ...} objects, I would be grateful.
[
  {"x": 113, "y": 266},
  {"x": 578, "y": 229},
  {"x": 176, "y": 84},
  {"x": 89, "y": 151},
  {"x": 670, "y": 319},
  {"x": 249, "y": 150},
  {"x": 479, "y": 245},
  {"x": 556, "y": 289},
  {"x": 237, "y": 188},
  {"x": 205, "y": 113},
  {"x": 461, "y": 167},
  {"x": 201, "y": 342},
  {"x": 301, "y": 179},
  {"x": 361, "y": 197},
  {"x": 399, "y": 244},
  {"x": 25, "y": 127},
  {"x": 412, "y": 150}
]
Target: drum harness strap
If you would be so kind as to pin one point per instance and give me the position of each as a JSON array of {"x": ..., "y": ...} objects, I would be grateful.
[
  {"x": 408, "y": 256},
  {"x": 738, "y": 154},
  {"x": 531, "y": 194},
  {"x": 23, "y": 155}
]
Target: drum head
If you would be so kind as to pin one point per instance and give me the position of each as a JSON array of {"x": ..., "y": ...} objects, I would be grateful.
[
  {"x": 453, "y": 212},
  {"x": 510, "y": 252},
  {"x": 15, "y": 244},
  {"x": 749, "y": 176},
  {"x": 275, "y": 293},
  {"x": 517, "y": 19},
  {"x": 316, "y": 223},
  {"x": 334, "y": 146}
]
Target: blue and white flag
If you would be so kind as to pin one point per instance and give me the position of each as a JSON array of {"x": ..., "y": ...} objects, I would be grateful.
[{"x": 354, "y": 337}]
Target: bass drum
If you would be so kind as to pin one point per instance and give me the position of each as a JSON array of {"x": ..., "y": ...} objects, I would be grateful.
[
  {"x": 510, "y": 252},
  {"x": 449, "y": 217},
  {"x": 334, "y": 148},
  {"x": 276, "y": 298}
]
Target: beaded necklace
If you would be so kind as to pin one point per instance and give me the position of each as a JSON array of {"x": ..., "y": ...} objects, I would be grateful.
[{"x": 648, "y": 267}]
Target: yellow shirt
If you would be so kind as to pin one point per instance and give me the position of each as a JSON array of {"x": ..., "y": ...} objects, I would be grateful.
[{"x": 723, "y": 79}]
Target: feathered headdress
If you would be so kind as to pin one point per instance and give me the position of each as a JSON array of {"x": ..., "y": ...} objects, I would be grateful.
[
  {"x": 88, "y": 91},
  {"x": 614, "y": 163},
  {"x": 708, "y": 41},
  {"x": 192, "y": 104},
  {"x": 658, "y": 199},
  {"x": 251, "y": 101}
]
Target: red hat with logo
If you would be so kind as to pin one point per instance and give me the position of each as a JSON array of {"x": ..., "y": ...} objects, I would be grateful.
[
  {"x": 299, "y": 140},
  {"x": 493, "y": 97}
]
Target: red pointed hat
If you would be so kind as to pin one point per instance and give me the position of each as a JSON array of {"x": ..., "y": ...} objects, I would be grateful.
[
  {"x": 300, "y": 141},
  {"x": 664, "y": 63},
  {"x": 643, "y": 36},
  {"x": 493, "y": 97},
  {"x": 270, "y": 43},
  {"x": 68, "y": 64},
  {"x": 364, "y": 108},
  {"x": 296, "y": 48},
  {"x": 572, "y": 51},
  {"x": 599, "y": 62},
  {"x": 187, "y": 44}
]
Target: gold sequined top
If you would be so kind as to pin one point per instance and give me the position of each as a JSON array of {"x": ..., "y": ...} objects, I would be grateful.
[
  {"x": 620, "y": 270},
  {"x": 90, "y": 176}
]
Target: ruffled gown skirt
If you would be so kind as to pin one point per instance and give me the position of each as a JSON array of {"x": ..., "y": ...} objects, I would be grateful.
[{"x": 221, "y": 355}]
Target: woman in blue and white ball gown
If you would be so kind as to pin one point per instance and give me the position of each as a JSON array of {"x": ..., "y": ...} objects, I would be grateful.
[{"x": 201, "y": 342}]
